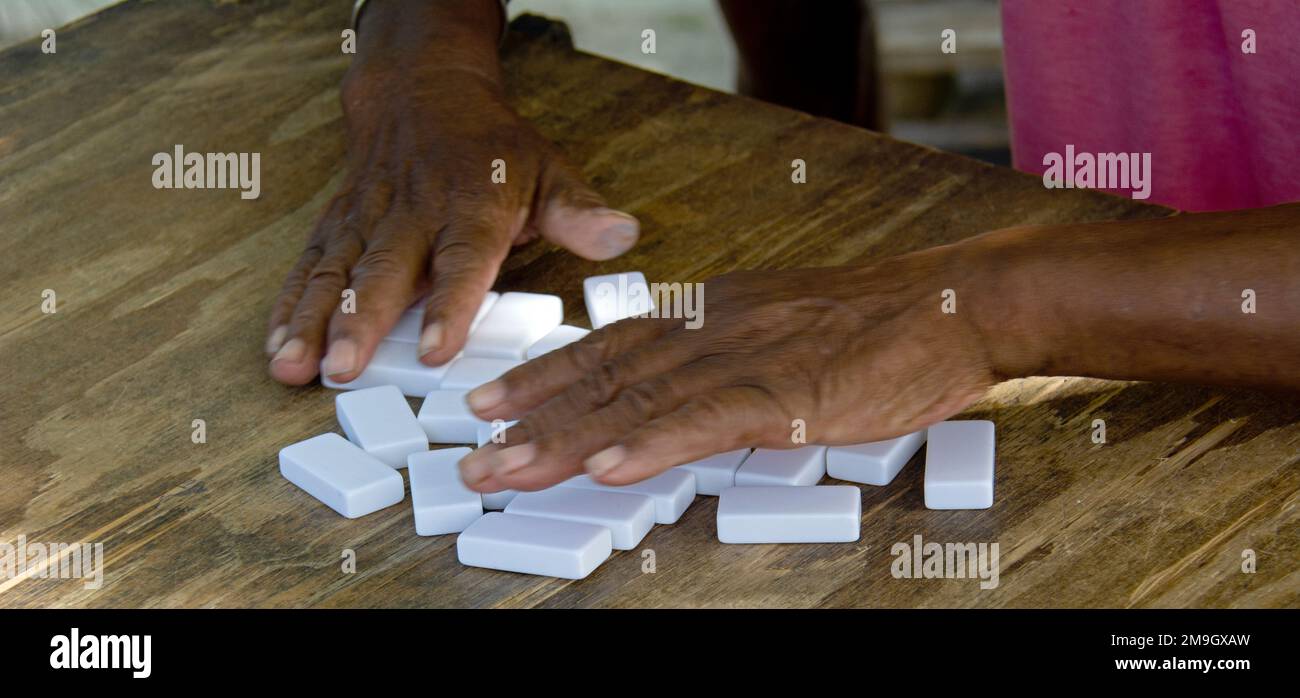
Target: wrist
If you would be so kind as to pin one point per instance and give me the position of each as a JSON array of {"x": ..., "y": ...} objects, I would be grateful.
[
  {"x": 384, "y": 83},
  {"x": 1005, "y": 297},
  {"x": 405, "y": 40}
]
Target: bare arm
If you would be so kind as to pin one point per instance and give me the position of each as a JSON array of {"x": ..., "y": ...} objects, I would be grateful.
[
  {"x": 419, "y": 210},
  {"x": 1163, "y": 300},
  {"x": 864, "y": 354}
]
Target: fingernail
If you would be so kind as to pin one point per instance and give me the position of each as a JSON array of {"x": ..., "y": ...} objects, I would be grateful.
[
  {"x": 292, "y": 351},
  {"x": 276, "y": 340},
  {"x": 431, "y": 338},
  {"x": 513, "y": 458},
  {"x": 342, "y": 357},
  {"x": 486, "y": 396},
  {"x": 620, "y": 237},
  {"x": 606, "y": 211},
  {"x": 605, "y": 461}
]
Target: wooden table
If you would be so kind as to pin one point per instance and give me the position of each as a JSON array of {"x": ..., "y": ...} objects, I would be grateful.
[{"x": 163, "y": 294}]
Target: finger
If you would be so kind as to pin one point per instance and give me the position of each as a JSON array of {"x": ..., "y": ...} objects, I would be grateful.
[
  {"x": 661, "y": 369},
  {"x": 559, "y": 452},
  {"x": 484, "y": 485},
  {"x": 472, "y": 471},
  {"x": 525, "y": 479},
  {"x": 277, "y": 330},
  {"x": 525, "y": 387},
  {"x": 298, "y": 360},
  {"x": 713, "y": 422},
  {"x": 573, "y": 216},
  {"x": 296, "y": 282},
  {"x": 384, "y": 281},
  {"x": 466, "y": 257}
]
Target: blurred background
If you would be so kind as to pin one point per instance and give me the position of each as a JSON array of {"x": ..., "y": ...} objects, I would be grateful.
[{"x": 949, "y": 101}]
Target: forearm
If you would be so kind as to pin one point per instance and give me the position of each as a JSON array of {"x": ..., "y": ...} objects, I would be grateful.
[
  {"x": 404, "y": 38},
  {"x": 1145, "y": 300}
]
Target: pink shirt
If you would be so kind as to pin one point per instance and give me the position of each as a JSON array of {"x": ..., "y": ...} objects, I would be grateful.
[{"x": 1166, "y": 77}]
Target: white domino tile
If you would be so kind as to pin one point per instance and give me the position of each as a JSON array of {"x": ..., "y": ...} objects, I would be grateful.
[
  {"x": 408, "y": 326},
  {"x": 549, "y": 547},
  {"x": 801, "y": 466},
  {"x": 486, "y": 429},
  {"x": 497, "y": 501},
  {"x": 612, "y": 297},
  {"x": 822, "y": 514},
  {"x": 959, "y": 465},
  {"x": 717, "y": 472},
  {"x": 341, "y": 475},
  {"x": 411, "y": 324},
  {"x": 561, "y": 336},
  {"x": 627, "y": 516},
  {"x": 469, "y": 372},
  {"x": 514, "y": 323},
  {"x": 441, "y": 502},
  {"x": 489, "y": 300},
  {"x": 875, "y": 463},
  {"x": 447, "y": 419},
  {"x": 672, "y": 491},
  {"x": 394, "y": 363},
  {"x": 381, "y": 423}
]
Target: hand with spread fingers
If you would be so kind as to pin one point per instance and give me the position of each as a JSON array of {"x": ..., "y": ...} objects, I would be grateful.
[
  {"x": 864, "y": 354},
  {"x": 857, "y": 354},
  {"x": 443, "y": 178}
]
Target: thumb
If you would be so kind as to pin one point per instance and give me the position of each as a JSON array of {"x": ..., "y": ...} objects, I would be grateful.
[{"x": 573, "y": 216}]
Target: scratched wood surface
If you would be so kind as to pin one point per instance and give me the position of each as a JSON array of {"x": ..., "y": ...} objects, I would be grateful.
[{"x": 163, "y": 295}]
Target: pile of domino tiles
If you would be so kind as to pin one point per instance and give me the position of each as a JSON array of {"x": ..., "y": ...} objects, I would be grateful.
[{"x": 765, "y": 496}]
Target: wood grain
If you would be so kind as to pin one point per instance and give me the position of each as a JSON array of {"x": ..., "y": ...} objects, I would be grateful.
[{"x": 163, "y": 296}]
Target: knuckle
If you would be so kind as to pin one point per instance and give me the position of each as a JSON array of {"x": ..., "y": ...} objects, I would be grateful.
[
  {"x": 705, "y": 409},
  {"x": 309, "y": 321},
  {"x": 296, "y": 280},
  {"x": 485, "y": 199},
  {"x": 554, "y": 415},
  {"x": 328, "y": 275},
  {"x": 603, "y": 383},
  {"x": 310, "y": 257},
  {"x": 589, "y": 352},
  {"x": 314, "y": 305},
  {"x": 459, "y": 255},
  {"x": 452, "y": 302},
  {"x": 589, "y": 392},
  {"x": 383, "y": 264},
  {"x": 641, "y": 401}
]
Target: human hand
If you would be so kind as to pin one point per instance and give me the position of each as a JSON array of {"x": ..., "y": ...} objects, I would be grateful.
[
  {"x": 858, "y": 354},
  {"x": 419, "y": 212}
]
